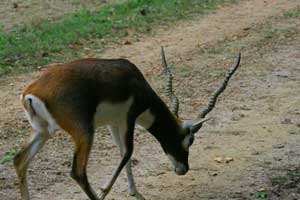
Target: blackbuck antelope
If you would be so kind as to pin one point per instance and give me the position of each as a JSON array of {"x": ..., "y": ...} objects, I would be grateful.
[{"x": 81, "y": 95}]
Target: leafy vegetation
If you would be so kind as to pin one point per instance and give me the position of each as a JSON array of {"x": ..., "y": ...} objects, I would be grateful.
[
  {"x": 37, "y": 44},
  {"x": 261, "y": 195}
]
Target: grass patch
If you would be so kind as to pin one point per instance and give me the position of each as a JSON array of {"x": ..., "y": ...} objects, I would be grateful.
[
  {"x": 270, "y": 34},
  {"x": 39, "y": 44},
  {"x": 8, "y": 156},
  {"x": 181, "y": 70},
  {"x": 215, "y": 50},
  {"x": 288, "y": 180},
  {"x": 292, "y": 14}
]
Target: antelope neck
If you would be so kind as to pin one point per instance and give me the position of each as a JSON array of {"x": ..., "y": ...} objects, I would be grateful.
[{"x": 165, "y": 127}]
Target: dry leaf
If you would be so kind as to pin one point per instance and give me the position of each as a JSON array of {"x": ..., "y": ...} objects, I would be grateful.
[
  {"x": 228, "y": 159},
  {"x": 127, "y": 42},
  {"x": 218, "y": 159}
]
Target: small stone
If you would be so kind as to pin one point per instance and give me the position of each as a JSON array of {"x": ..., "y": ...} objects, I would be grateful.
[
  {"x": 277, "y": 159},
  {"x": 278, "y": 146},
  {"x": 134, "y": 161},
  {"x": 282, "y": 74},
  {"x": 15, "y": 5},
  {"x": 45, "y": 54},
  {"x": 237, "y": 116},
  {"x": 255, "y": 153},
  {"x": 67, "y": 163},
  {"x": 127, "y": 42},
  {"x": 213, "y": 173},
  {"x": 293, "y": 132},
  {"x": 247, "y": 28},
  {"x": 286, "y": 121},
  {"x": 228, "y": 159},
  {"x": 282, "y": 37},
  {"x": 218, "y": 159},
  {"x": 294, "y": 111},
  {"x": 143, "y": 12},
  {"x": 293, "y": 196}
]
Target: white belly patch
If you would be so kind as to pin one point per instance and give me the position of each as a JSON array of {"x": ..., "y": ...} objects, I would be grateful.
[
  {"x": 145, "y": 119},
  {"x": 112, "y": 113},
  {"x": 116, "y": 113}
]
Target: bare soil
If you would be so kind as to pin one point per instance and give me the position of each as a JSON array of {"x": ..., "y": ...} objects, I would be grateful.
[
  {"x": 256, "y": 121},
  {"x": 24, "y": 12}
]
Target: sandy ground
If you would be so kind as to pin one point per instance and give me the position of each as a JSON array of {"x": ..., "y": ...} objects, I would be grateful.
[
  {"x": 256, "y": 121},
  {"x": 23, "y": 12}
]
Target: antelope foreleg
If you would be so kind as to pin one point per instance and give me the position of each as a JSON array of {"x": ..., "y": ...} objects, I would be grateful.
[
  {"x": 128, "y": 149},
  {"x": 117, "y": 134}
]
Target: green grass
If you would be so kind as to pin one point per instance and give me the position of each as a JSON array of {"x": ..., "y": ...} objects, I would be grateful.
[
  {"x": 293, "y": 13},
  {"x": 181, "y": 70},
  {"x": 215, "y": 50},
  {"x": 8, "y": 156},
  {"x": 29, "y": 46},
  {"x": 287, "y": 180}
]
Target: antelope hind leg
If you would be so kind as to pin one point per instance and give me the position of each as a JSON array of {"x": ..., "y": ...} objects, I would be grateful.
[{"x": 23, "y": 158}]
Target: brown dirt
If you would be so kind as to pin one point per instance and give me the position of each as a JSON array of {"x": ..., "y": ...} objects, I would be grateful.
[
  {"x": 21, "y": 12},
  {"x": 256, "y": 121}
]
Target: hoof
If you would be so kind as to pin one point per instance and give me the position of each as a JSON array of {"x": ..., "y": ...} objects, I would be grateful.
[
  {"x": 103, "y": 194},
  {"x": 137, "y": 195}
]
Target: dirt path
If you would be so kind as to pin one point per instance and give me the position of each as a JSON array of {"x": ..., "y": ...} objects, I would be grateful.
[
  {"x": 184, "y": 38},
  {"x": 24, "y": 12},
  {"x": 256, "y": 121}
]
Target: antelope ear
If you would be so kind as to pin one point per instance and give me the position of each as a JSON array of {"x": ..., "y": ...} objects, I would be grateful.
[
  {"x": 197, "y": 125},
  {"x": 187, "y": 124}
]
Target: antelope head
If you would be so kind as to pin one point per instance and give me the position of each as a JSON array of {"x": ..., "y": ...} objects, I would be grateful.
[{"x": 192, "y": 126}]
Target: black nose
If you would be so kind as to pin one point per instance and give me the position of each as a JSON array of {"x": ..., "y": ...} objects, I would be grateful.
[{"x": 182, "y": 170}]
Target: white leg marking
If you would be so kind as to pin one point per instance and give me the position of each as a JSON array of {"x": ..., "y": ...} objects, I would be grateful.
[{"x": 118, "y": 135}]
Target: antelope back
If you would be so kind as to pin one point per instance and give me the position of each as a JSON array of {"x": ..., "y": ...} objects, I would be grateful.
[{"x": 72, "y": 91}]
